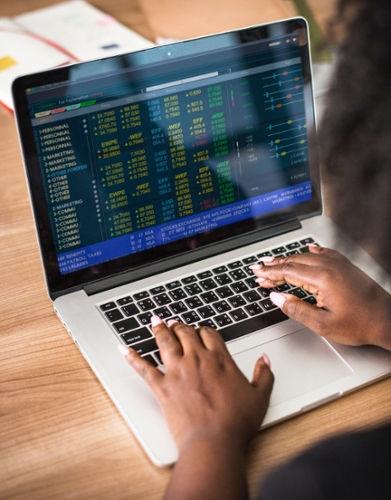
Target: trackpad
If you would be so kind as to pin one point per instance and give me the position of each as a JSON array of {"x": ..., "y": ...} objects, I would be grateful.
[{"x": 301, "y": 362}]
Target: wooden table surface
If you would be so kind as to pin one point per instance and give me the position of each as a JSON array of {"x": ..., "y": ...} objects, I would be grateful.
[{"x": 60, "y": 435}]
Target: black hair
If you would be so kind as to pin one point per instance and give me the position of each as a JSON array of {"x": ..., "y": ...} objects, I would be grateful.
[{"x": 355, "y": 133}]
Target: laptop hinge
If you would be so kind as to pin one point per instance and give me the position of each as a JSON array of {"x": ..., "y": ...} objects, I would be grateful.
[{"x": 194, "y": 256}]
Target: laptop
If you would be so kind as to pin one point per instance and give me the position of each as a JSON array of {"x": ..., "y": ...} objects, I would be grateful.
[{"x": 156, "y": 179}]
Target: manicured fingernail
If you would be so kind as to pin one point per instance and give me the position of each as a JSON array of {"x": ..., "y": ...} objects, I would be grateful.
[
  {"x": 278, "y": 299},
  {"x": 260, "y": 280},
  {"x": 156, "y": 320},
  {"x": 123, "y": 349},
  {"x": 267, "y": 258},
  {"x": 171, "y": 322},
  {"x": 255, "y": 267},
  {"x": 266, "y": 359}
]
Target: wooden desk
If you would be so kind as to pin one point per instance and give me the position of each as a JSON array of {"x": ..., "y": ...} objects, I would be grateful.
[{"x": 60, "y": 435}]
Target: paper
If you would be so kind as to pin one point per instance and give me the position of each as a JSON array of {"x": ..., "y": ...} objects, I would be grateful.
[{"x": 61, "y": 34}]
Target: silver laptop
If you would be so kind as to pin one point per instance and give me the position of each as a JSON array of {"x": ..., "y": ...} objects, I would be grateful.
[{"x": 156, "y": 179}]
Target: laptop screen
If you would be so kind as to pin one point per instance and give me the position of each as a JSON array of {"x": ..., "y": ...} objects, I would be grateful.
[{"x": 148, "y": 155}]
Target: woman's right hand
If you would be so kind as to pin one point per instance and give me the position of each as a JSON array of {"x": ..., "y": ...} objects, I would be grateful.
[{"x": 351, "y": 308}]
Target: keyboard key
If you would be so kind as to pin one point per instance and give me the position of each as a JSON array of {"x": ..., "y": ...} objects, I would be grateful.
[
  {"x": 311, "y": 300},
  {"x": 253, "y": 309},
  {"x": 307, "y": 241},
  {"x": 221, "y": 306},
  {"x": 188, "y": 280},
  {"x": 293, "y": 245},
  {"x": 126, "y": 325},
  {"x": 163, "y": 312},
  {"x": 146, "y": 347},
  {"x": 136, "y": 336},
  {"x": 193, "y": 289},
  {"x": 178, "y": 307},
  {"x": 283, "y": 288},
  {"x": 130, "y": 310},
  {"x": 222, "y": 320},
  {"x": 239, "y": 287},
  {"x": 114, "y": 315},
  {"x": 205, "y": 274},
  {"x": 268, "y": 305},
  {"x": 206, "y": 312},
  {"x": 299, "y": 292},
  {"x": 193, "y": 302},
  {"x": 223, "y": 279},
  {"x": 278, "y": 250},
  {"x": 190, "y": 317},
  {"x": 224, "y": 292},
  {"x": 207, "y": 322},
  {"x": 140, "y": 295},
  {"x": 178, "y": 294},
  {"x": 209, "y": 297},
  {"x": 293, "y": 252},
  {"x": 146, "y": 305},
  {"x": 237, "y": 330},
  {"x": 264, "y": 292},
  {"x": 252, "y": 296},
  {"x": 235, "y": 265},
  {"x": 173, "y": 284},
  {"x": 238, "y": 274},
  {"x": 238, "y": 314},
  {"x": 264, "y": 254},
  {"x": 208, "y": 284},
  {"x": 157, "y": 290},
  {"x": 237, "y": 301},
  {"x": 145, "y": 319},
  {"x": 124, "y": 300},
  {"x": 250, "y": 260},
  {"x": 220, "y": 269},
  {"x": 162, "y": 299},
  {"x": 251, "y": 283},
  {"x": 107, "y": 306}
]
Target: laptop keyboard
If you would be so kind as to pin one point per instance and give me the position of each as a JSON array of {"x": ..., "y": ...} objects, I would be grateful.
[{"x": 226, "y": 297}]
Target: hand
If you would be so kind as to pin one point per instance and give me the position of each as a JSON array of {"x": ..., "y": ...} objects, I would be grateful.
[
  {"x": 203, "y": 393},
  {"x": 351, "y": 308}
]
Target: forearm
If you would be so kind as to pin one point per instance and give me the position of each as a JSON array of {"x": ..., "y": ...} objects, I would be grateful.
[{"x": 209, "y": 469}]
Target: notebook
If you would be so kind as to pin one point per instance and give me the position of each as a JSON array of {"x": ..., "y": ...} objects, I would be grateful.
[{"x": 156, "y": 178}]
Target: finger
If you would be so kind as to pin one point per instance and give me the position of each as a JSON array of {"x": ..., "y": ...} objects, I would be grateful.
[
  {"x": 311, "y": 316},
  {"x": 144, "y": 368},
  {"x": 168, "y": 343},
  {"x": 293, "y": 272},
  {"x": 263, "y": 378},
  {"x": 188, "y": 336},
  {"x": 212, "y": 339}
]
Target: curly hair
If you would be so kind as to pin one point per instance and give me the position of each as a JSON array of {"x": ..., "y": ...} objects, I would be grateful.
[{"x": 355, "y": 134}]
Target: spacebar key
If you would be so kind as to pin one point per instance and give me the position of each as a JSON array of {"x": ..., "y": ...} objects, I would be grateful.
[{"x": 252, "y": 325}]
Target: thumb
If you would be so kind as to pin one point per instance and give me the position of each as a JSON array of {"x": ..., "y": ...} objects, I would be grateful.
[{"x": 263, "y": 378}]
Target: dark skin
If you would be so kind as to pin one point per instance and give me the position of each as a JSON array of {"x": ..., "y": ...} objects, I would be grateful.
[
  {"x": 351, "y": 308},
  {"x": 212, "y": 410}
]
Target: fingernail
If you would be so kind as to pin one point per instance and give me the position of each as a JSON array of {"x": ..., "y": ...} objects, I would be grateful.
[
  {"x": 255, "y": 267},
  {"x": 266, "y": 359},
  {"x": 260, "y": 280},
  {"x": 123, "y": 349},
  {"x": 171, "y": 322},
  {"x": 267, "y": 258},
  {"x": 278, "y": 299},
  {"x": 156, "y": 320}
]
